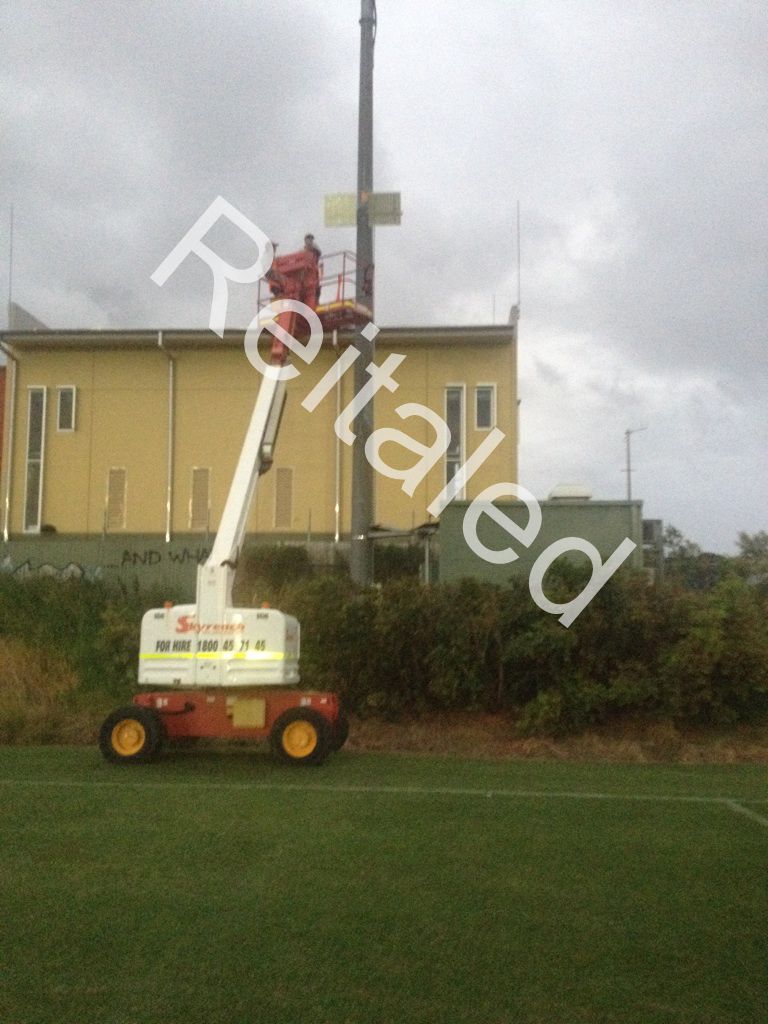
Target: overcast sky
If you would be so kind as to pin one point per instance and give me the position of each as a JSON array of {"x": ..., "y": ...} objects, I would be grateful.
[{"x": 633, "y": 135}]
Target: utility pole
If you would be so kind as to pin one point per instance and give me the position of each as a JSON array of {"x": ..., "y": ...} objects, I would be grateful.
[
  {"x": 627, "y": 435},
  {"x": 361, "y": 560}
]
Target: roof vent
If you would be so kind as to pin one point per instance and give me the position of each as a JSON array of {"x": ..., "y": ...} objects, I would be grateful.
[{"x": 570, "y": 492}]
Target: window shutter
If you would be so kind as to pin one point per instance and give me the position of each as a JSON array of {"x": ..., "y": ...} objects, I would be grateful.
[
  {"x": 283, "y": 498},
  {"x": 116, "y": 499},
  {"x": 66, "y": 411},
  {"x": 200, "y": 499}
]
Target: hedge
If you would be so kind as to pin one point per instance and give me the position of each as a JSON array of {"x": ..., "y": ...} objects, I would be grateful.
[{"x": 660, "y": 651}]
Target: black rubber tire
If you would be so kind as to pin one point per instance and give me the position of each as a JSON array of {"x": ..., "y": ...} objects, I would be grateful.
[
  {"x": 340, "y": 731},
  {"x": 150, "y": 747},
  {"x": 314, "y": 755}
]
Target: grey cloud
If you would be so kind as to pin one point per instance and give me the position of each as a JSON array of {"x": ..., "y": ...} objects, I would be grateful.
[{"x": 635, "y": 137}]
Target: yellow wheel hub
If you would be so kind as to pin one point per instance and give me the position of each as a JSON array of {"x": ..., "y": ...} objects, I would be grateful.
[
  {"x": 299, "y": 739},
  {"x": 128, "y": 737}
]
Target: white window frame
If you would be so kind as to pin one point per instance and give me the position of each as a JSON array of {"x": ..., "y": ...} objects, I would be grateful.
[
  {"x": 463, "y": 439},
  {"x": 35, "y": 528},
  {"x": 492, "y": 389},
  {"x": 59, "y": 390}
]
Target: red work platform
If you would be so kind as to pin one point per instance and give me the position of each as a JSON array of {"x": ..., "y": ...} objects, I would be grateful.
[
  {"x": 345, "y": 313},
  {"x": 336, "y": 301}
]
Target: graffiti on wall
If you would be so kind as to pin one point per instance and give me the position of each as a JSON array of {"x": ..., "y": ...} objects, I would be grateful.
[
  {"x": 155, "y": 556},
  {"x": 130, "y": 558},
  {"x": 71, "y": 571}
]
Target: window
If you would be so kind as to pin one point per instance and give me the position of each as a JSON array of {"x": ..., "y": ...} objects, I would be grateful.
[
  {"x": 283, "y": 498},
  {"x": 454, "y": 418},
  {"x": 33, "y": 497},
  {"x": 66, "y": 411},
  {"x": 115, "y": 517},
  {"x": 200, "y": 499},
  {"x": 485, "y": 406}
]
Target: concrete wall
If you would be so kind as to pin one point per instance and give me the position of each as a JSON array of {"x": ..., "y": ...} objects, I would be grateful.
[
  {"x": 145, "y": 560},
  {"x": 148, "y": 560}
]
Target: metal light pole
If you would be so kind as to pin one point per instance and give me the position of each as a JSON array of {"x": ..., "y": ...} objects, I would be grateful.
[
  {"x": 361, "y": 561},
  {"x": 627, "y": 435}
]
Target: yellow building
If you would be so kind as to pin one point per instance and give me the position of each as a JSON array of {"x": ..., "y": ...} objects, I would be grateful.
[{"x": 138, "y": 432}]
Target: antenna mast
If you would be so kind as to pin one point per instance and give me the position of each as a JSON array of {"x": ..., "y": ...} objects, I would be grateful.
[
  {"x": 10, "y": 268},
  {"x": 518, "y": 255}
]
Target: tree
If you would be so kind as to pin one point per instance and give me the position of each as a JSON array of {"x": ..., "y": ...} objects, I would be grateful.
[
  {"x": 753, "y": 547},
  {"x": 677, "y": 548},
  {"x": 685, "y": 562},
  {"x": 752, "y": 559}
]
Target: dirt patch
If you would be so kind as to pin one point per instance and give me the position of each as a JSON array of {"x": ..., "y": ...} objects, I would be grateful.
[{"x": 480, "y": 735}]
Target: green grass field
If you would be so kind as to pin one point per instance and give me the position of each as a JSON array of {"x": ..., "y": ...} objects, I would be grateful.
[{"x": 218, "y": 888}]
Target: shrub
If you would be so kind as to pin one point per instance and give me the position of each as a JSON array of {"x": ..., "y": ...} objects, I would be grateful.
[
  {"x": 336, "y": 634},
  {"x": 574, "y": 705},
  {"x": 465, "y": 663},
  {"x": 33, "y": 684},
  {"x": 717, "y": 671},
  {"x": 536, "y": 651},
  {"x": 264, "y": 569},
  {"x": 397, "y": 561}
]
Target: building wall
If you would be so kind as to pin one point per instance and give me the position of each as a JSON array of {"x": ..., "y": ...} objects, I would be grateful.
[
  {"x": 605, "y": 524},
  {"x": 122, "y": 422}
]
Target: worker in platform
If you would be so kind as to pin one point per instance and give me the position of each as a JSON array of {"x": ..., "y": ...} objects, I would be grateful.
[{"x": 309, "y": 246}]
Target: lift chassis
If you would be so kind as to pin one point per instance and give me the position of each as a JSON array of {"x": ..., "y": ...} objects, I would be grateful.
[
  {"x": 303, "y": 727},
  {"x": 214, "y": 671}
]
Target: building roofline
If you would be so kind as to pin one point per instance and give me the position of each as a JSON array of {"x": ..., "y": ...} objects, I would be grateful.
[{"x": 485, "y": 334}]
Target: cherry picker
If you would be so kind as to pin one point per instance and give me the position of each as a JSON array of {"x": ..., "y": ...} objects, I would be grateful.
[{"x": 215, "y": 671}]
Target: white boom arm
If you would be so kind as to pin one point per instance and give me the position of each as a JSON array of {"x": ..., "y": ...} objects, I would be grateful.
[
  {"x": 216, "y": 576},
  {"x": 296, "y": 276}
]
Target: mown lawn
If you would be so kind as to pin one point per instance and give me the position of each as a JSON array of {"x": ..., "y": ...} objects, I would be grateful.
[{"x": 218, "y": 888}]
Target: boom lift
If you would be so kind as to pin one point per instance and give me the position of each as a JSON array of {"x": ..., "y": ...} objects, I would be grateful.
[{"x": 224, "y": 672}]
